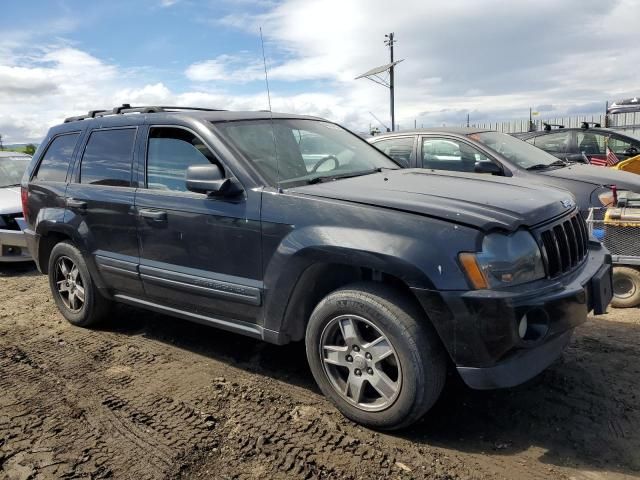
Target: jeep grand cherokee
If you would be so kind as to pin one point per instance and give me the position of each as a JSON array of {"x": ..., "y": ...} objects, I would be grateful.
[{"x": 390, "y": 276}]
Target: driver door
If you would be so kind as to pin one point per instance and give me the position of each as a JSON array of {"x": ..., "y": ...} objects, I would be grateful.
[{"x": 198, "y": 253}]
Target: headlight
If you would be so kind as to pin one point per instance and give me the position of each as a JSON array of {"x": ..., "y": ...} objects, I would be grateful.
[{"x": 504, "y": 260}]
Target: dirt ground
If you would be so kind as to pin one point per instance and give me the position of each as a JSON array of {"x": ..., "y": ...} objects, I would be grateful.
[{"x": 150, "y": 397}]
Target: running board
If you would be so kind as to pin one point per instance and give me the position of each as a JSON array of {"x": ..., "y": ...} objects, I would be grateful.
[{"x": 244, "y": 328}]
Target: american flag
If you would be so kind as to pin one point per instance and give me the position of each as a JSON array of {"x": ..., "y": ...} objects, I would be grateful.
[{"x": 609, "y": 161}]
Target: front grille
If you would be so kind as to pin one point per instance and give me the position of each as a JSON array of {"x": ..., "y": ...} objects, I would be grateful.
[
  {"x": 8, "y": 222},
  {"x": 565, "y": 245}
]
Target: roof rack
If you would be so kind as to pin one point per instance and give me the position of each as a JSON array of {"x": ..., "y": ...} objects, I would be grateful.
[
  {"x": 127, "y": 108},
  {"x": 547, "y": 126},
  {"x": 585, "y": 125}
]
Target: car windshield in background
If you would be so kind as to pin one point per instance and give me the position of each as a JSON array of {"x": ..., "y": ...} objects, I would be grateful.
[
  {"x": 11, "y": 170},
  {"x": 519, "y": 152},
  {"x": 291, "y": 152}
]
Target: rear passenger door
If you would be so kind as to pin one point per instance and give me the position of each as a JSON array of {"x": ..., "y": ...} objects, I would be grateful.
[{"x": 100, "y": 201}]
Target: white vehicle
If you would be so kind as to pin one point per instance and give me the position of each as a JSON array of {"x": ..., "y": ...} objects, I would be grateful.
[{"x": 13, "y": 247}]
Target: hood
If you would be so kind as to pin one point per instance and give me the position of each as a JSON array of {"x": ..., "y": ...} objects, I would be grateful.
[
  {"x": 10, "y": 201},
  {"x": 483, "y": 202},
  {"x": 597, "y": 176}
]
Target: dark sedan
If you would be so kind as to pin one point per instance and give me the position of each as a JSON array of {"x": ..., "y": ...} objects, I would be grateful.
[
  {"x": 494, "y": 153},
  {"x": 578, "y": 144}
]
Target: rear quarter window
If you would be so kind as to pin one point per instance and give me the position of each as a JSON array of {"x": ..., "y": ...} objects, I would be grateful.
[{"x": 55, "y": 161}]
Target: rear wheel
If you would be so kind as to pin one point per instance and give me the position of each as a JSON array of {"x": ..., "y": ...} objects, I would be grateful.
[
  {"x": 374, "y": 357},
  {"x": 626, "y": 287},
  {"x": 73, "y": 288}
]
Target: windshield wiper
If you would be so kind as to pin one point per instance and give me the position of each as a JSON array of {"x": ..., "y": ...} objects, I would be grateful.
[
  {"x": 544, "y": 166},
  {"x": 321, "y": 178}
]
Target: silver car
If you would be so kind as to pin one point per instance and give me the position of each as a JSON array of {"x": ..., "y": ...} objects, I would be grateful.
[{"x": 13, "y": 247}]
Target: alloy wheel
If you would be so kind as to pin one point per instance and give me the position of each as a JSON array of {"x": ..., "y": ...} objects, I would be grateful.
[{"x": 360, "y": 362}]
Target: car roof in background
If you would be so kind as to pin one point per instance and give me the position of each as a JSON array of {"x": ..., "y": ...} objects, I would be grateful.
[
  {"x": 449, "y": 130},
  {"x": 539, "y": 133}
]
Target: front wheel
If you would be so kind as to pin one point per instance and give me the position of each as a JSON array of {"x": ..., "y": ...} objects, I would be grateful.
[{"x": 374, "y": 356}]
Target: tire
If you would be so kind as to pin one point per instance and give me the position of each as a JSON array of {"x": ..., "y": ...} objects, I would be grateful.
[
  {"x": 409, "y": 379},
  {"x": 86, "y": 310},
  {"x": 626, "y": 287}
]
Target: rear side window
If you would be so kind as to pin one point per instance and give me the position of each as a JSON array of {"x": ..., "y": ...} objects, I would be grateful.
[
  {"x": 108, "y": 157},
  {"x": 55, "y": 162}
]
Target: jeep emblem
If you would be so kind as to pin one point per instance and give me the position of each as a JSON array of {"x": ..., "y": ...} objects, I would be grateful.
[{"x": 568, "y": 203}]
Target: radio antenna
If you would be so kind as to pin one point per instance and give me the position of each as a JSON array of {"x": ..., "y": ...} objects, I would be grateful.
[
  {"x": 273, "y": 130},
  {"x": 266, "y": 76}
]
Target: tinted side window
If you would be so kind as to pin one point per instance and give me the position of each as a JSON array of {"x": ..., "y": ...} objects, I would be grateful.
[
  {"x": 55, "y": 162},
  {"x": 108, "y": 157},
  {"x": 591, "y": 143},
  {"x": 450, "y": 154},
  {"x": 553, "y": 143},
  {"x": 623, "y": 147},
  {"x": 170, "y": 152},
  {"x": 399, "y": 149}
]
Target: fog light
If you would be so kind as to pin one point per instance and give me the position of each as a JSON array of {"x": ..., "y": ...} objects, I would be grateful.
[{"x": 523, "y": 326}]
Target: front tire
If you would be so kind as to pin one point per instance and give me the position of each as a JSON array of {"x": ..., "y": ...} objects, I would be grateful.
[
  {"x": 73, "y": 288},
  {"x": 626, "y": 287},
  {"x": 374, "y": 356}
]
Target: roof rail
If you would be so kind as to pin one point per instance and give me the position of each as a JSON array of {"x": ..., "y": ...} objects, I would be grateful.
[
  {"x": 585, "y": 125},
  {"x": 127, "y": 108},
  {"x": 547, "y": 126}
]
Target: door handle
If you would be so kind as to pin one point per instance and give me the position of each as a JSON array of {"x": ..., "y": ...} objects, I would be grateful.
[
  {"x": 73, "y": 203},
  {"x": 155, "y": 215}
]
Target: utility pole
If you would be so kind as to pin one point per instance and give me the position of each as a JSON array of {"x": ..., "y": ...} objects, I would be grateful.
[
  {"x": 389, "y": 42},
  {"x": 1, "y": 146},
  {"x": 376, "y": 76}
]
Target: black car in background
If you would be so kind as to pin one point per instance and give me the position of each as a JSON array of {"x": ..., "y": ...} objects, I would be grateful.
[
  {"x": 290, "y": 228},
  {"x": 474, "y": 150},
  {"x": 576, "y": 144}
]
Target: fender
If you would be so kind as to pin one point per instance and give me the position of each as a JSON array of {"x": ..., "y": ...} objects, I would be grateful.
[
  {"x": 403, "y": 257},
  {"x": 64, "y": 221}
]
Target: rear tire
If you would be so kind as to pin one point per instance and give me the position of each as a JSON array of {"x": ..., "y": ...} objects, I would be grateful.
[
  {"x": 626, "y": 287},
  {"x": 73, "y": 289},
  {"x": 375, "y": 356}
]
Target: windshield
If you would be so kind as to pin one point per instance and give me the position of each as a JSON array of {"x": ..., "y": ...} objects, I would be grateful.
[
  {"x": 291, "y": 151},
  {"x": 519, "y": 152},
  {"x": 12, "y": 169}
]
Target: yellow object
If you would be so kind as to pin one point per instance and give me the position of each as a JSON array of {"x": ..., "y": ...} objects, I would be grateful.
[
  {"x": 622, "y": 217},
  {"x": 629, "y": 165},
  {"x": 474, "y": 273}
]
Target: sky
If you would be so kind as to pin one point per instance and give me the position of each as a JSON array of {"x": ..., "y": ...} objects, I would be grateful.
[{"x": 491, "y": 59}]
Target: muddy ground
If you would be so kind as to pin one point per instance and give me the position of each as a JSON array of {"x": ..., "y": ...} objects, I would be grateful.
[{"x": 150, "y": 397}]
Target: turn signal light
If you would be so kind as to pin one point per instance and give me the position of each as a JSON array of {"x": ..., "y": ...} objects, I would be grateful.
[{"x": 472, "y": 269}]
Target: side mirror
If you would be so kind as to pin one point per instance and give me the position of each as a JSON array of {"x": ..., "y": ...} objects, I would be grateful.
[
  {"x": 210, "y": 180},
  {"x": 487, "y": 167}
]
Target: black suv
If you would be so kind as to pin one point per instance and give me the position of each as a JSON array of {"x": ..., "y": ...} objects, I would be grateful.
[{"x": 241, "y": 220}]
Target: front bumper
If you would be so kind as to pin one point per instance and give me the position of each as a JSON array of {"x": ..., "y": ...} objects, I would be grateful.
[
  {"x": 13, "y": 246},
  {"x": 480, "y": 328}
]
